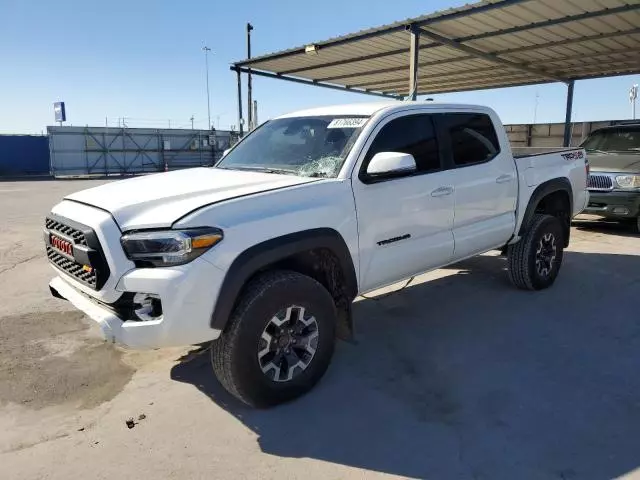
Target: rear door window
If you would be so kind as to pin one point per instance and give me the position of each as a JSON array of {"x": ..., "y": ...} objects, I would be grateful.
[{"x": 471, "y": 136}]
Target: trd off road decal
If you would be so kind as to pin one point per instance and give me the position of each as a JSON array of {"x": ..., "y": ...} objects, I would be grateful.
[{"x": 577, "y": 155}]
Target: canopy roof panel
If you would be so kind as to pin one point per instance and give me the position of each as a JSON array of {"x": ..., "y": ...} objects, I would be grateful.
[{"x": 490, "y": 44}]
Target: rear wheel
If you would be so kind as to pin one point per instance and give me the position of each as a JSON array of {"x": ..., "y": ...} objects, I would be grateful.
[
  {"x": 535, "y": 261},
  {"x": 279, "y": 341}
]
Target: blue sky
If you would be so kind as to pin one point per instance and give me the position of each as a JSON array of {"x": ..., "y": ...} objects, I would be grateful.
[{"x": 142, "y": 60}]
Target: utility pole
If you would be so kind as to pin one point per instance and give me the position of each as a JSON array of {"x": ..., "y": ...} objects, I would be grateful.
[
  {"x": 633, "y": 94},
  {"x": 206, "y": 51},
  {"x": 240, "y": 119},
  {"x": 249, "y": 87},
  {"x": 191, "y": 122},
  {"x": 255, "y": 114}
]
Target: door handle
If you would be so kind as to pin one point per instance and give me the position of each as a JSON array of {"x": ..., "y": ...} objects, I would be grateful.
[
  {"x": 442, "y": 191},
  {"x": 504, "y": 178}
]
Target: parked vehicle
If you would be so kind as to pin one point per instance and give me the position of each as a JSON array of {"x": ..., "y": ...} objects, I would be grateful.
[
  {"x": 614, "y": 183},
  {"x": 264, "y": 253}
]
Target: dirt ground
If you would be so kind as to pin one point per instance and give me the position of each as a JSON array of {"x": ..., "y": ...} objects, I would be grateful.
[{"x": 458, "y": 376}]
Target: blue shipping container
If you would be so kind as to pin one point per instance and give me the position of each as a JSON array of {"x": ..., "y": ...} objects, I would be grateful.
[{"x": 24, "y": 155}]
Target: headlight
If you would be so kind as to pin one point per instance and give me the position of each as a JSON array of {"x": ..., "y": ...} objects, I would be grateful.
[
  {"x": 162, "y": 248},
  {"x": 628, "y": 181}
]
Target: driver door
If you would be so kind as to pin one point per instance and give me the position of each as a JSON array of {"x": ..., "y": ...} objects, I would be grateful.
[{"x": 405, "y": 223}]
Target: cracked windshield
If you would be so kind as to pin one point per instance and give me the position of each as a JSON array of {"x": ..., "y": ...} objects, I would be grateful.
[{"x": 304, "y": 146}]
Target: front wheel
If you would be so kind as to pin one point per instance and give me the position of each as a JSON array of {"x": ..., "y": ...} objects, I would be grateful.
[
  {"x": 535, "y": 261},
  {"x": 279, "y": 341}
]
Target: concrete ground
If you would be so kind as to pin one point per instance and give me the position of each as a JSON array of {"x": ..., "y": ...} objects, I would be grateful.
[{"x": 458, "y": 376}]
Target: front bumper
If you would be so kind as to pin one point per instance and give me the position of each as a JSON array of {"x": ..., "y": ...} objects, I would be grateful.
[
  {"x": 188, "y": 294},
  {"x": 614, "y": 204}
]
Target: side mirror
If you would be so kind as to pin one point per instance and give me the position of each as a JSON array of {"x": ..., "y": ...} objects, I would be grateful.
[
  {"x": 391, "y": 162},
  {"x": 224, "y": 154}
]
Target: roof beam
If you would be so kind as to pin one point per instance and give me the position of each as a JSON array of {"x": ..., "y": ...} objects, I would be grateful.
[
  {"x": 552, "y": 22},
  {"x": 480, "y": 36},
  {"x": 362, "y": 58},
  {"x": 427, "y": 88},
  {"x": 447, "y": 89},
  {"x": 483, "y": 8},
  {"x": 437, "y": 75},
  {"x": 426, "y": 82},
  {"x": 528, "y": 48},
  {"x": 484, "y": 87},
  {"x": 312, "y": 83},
  {"x": 491, "y": 57},
  {"x": 569, "y": 41},
  {"x": 400, "y": 68},
  {"x": 492, "y": 68},
  {"x": 584, "y": 74}
]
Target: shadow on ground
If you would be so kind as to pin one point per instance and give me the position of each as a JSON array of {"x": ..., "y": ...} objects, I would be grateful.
[
  {"x": 465, "y": 377},
  {"x": 620, "y": 229}
]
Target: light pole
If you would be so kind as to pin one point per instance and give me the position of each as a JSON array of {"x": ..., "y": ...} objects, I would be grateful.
[
  {"x": 206, "y": 51},
  {"x": 633, "y": 94}
]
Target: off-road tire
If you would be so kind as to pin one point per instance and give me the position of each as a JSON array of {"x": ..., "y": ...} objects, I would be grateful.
[
  {"x": 521, "y": 256},
  {"x": 234, "y": 353}
]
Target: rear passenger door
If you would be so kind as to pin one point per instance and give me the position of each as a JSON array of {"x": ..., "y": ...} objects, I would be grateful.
[{"x": 484, "y": 180}]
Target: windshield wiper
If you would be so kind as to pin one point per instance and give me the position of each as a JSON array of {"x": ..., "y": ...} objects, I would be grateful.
[
  {"x": 316, "y": 175},
  {"x": 281, "y": 171}
]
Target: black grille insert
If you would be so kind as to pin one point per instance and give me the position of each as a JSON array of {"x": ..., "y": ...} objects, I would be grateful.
[
  {"x": 87, "y": 264},
  {"x": 88, "y": 277},
  {"x": 76, "y": 235}
]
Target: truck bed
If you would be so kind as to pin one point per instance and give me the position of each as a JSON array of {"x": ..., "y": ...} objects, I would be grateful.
[{"x": 520, "y": 152}]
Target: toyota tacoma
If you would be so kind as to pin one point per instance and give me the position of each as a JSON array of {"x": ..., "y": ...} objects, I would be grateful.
[{"x": 263, "y": 254}]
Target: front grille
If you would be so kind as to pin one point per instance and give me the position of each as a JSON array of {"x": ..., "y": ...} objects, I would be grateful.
[
  {"x": 86, "y": 262},
  {"x": 72, "y": 268},
  {"x": 78, "y": 236},
  {"x": 600, "y": 182}
]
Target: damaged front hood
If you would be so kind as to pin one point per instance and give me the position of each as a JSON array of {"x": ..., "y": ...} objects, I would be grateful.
[{"x": 158, "y": 200}]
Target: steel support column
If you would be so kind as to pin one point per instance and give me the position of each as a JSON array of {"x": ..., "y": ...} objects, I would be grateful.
[
  {"x": 567, "y": 118},
  {"x": 414, "y": 51},
  {"x": 240, "y": 129}
]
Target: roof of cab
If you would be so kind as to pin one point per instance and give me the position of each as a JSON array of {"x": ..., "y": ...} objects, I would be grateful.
[{"x": 368, "y": 109}]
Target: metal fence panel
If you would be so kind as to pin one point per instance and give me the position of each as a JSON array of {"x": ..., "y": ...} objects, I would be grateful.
[
  {"x": 23, "y": 155},
  {"x": 82, "y": 151},
  {"x": 546, "y": 135}
]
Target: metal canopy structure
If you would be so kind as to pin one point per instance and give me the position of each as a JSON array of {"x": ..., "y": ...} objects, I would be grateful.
[{"x": 490, "y": 44}]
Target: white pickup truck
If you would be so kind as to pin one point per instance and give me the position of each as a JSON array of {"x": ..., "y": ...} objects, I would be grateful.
[{"x": 264, "y": 253}]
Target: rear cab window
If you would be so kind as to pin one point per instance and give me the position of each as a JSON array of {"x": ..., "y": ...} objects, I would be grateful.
[{"x": 471, "y": 137}]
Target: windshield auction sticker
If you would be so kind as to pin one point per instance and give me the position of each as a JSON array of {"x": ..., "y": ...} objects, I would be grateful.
[{"x": 347, "y": 122}]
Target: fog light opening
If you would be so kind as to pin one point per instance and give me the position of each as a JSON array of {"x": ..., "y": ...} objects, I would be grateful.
[
  {"x": 147, "y": 306},
  {"x": 621, "y": 211}
]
